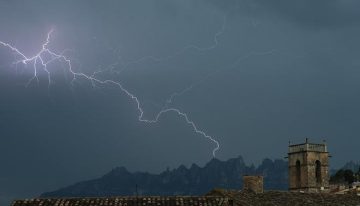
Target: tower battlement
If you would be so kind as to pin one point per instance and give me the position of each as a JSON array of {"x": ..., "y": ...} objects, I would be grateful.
[{"x": 311, "y": 147}]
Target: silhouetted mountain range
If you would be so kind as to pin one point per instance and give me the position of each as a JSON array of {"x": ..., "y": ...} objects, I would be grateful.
[
  {"x": 354, "y": 166},
  {"x": 351, "y": 165},
  {"x": 181, "y": 181}
]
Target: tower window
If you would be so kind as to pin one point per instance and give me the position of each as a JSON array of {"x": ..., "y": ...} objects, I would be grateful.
[
  {"x": 318, "y": 171},
  {"x": 298, "y": 174}
]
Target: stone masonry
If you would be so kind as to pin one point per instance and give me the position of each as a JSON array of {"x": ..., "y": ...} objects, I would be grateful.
[
  {"x": 253, "y": 183},
  {"x": 308, "y": 167}
]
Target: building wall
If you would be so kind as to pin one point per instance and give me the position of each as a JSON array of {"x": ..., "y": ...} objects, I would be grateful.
[
  {"x": 254, "y": 183},
  {"x": 312, "y": 157},
  {"x": 308, "y": 171},
  {"x": 293, "y": 181}
]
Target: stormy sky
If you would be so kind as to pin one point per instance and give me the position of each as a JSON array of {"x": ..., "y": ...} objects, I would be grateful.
[{"x": 253, "y": 74}]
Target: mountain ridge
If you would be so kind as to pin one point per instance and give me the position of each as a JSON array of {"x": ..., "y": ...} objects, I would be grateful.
[{"x": 194, "y": 180}]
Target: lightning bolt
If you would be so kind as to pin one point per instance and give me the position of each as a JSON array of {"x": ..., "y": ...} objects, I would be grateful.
[
  {"x": 215, "y": 44},
  {"x": 170, "y": 100},
  {"x": 39, "y": 58},
  {"x": 156, "y": 59}
]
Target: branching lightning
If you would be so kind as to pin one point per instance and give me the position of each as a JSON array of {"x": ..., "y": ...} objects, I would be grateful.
[
  {"x": 39, "y": 58},
  {"x": 203, "y": 79},
  {"x": 46, "y": 56},
  {"x": 214, "y": 45}
]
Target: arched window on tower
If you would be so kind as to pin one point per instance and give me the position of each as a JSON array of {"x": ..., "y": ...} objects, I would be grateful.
[
  {"x": 298, "y": 174},
  {"x": 318, "y": 171}
]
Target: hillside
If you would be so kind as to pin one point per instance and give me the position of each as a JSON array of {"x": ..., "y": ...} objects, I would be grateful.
[{"x": 181, "y": 181}]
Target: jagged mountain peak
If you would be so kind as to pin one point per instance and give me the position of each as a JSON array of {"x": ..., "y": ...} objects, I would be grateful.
[
  {"x": 180, "y": 181},
  {"x": 194, "y": 167},
  {"x": 352, "y": 165},
  {"x": 117, "y": 171}
]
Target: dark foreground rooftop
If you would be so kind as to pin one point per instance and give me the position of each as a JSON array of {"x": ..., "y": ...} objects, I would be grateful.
[
  {"x": 217, "y": 197},
  {"x": 283, "y": 198},
  {"x": 128, "y": 201}
]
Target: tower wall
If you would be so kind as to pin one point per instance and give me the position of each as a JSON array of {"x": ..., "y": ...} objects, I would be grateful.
[
  {"x": 308, "y": 167},
  {"x": 313, "y": 183}
]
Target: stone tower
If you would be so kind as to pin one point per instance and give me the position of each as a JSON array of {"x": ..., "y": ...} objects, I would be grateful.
[
  {"x": 253, "y": 183},
  {"x": 308, "y": 167}
]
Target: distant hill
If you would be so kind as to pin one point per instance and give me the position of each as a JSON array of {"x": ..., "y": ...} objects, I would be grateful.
[
  {"x": 351, "y": 165},
  {"x": 354, "y": 166},
  {"x": 181, "y": 181}
]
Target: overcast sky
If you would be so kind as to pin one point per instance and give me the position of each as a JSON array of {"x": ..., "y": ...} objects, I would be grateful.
[{"x": 259, "y": 73}]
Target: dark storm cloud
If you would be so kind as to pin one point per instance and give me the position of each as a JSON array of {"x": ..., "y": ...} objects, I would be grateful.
[
  {"x": 318, "y": 14},
  {"x": 281, "y": 70}
]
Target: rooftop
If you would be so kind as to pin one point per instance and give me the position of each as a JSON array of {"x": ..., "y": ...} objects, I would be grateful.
[
  {"x": 217, "y": 197},
  {"x": 128, "y": 201},
  {"x": 285, "y": 198}
]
